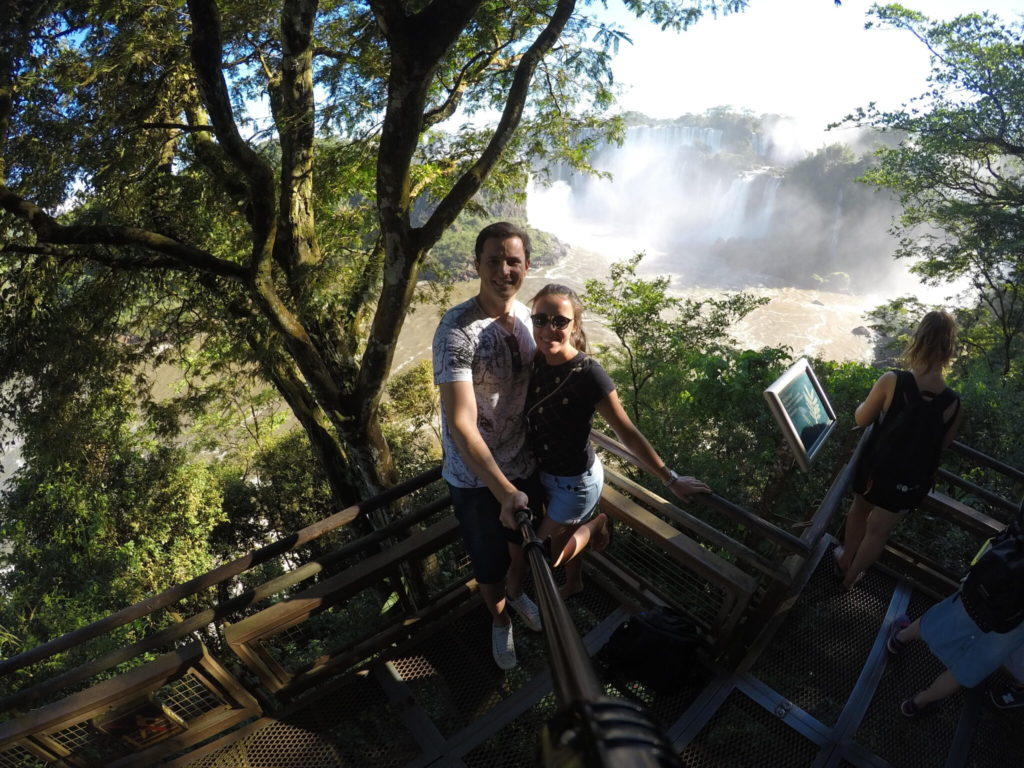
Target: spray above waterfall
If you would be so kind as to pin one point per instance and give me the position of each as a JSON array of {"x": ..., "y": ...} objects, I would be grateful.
[{"x": 732, "y": 200}]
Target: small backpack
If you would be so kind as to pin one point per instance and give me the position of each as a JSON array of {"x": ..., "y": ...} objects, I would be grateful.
[
  {"x": 660, "y": 648},
  {"x": 993, "y": 589},
  {"x": 905, "y": 448}
]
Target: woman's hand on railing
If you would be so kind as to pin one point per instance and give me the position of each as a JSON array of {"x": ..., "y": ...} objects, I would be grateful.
[{"x": 685, "y": 486}]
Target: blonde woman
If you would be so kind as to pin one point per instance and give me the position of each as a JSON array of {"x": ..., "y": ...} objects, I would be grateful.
[{"x": 897, "y": 468}]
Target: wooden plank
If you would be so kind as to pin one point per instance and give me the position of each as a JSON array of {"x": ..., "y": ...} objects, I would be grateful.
[
  {"x": 960, "y": 513},
  {"x": 675, "y": 544},
  {"x": 110, "y": 693},
  {"x": 988, "y": 461},
  {"x": 294, "y": 610}
]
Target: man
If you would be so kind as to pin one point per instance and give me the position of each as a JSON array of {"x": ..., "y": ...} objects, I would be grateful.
[{"x": 482, "y": 351}]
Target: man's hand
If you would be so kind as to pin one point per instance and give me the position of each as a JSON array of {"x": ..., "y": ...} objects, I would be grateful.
[
  {"x": 513, "y": 503},
  {"x": 685, "y": 486}
]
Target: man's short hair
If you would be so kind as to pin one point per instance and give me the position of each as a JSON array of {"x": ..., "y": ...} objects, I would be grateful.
[{"x": 502, "y": 230}]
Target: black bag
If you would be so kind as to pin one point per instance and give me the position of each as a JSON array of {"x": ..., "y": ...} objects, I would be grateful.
[
  {"x": 904, "y": 450},
  {"x": 993, "y": 589},
  {"x": 660, "y": 648}
]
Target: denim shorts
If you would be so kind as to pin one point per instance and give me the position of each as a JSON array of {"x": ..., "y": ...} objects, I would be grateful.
[
  {"x": 572, "y": 499},
  {"x": 486, "y": 540}
]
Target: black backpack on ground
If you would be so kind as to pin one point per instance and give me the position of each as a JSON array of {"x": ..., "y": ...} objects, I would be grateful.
[
  {"x": 993, "y": 589},
  {"x": 661, "y": 648},
  {"x": 904, "y": 450}
]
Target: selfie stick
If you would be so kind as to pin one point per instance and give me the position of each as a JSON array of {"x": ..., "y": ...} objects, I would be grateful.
[{"x": 590, "y": 728}]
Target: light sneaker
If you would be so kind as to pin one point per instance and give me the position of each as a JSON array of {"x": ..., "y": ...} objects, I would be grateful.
[
  {"x": 502, "y": 647},
  {"x": 527, "y": 610}
]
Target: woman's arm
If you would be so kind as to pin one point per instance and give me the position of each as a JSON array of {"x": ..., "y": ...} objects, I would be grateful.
[
  {"x": 612, "y": 411},
  {"x": 879, "y": 399},
  {"x": 954, "y": 428}
]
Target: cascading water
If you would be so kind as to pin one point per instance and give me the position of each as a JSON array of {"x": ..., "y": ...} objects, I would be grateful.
[{"x": 736, "y": 206}]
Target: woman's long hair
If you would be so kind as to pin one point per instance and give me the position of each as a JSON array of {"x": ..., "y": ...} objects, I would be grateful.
[
  {"x": 933, "y": 343},
  {"x": 578, "y": 337}
]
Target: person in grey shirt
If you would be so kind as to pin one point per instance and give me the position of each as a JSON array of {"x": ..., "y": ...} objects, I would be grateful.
[{"x": 482, "y": 351}]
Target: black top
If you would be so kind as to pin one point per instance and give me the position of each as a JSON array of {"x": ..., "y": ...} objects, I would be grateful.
[{"x": 560, "y": 410}]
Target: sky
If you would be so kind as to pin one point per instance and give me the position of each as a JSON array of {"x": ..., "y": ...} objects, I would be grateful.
[{"x": 808, "y": 59}]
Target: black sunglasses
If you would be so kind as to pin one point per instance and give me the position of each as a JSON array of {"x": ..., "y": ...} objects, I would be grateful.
[{"x": 558, "y": 322}]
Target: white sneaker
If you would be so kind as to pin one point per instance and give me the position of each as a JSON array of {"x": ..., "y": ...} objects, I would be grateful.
[
  {"x": 502, "y": 647},
  {"x": 527, "y": 610}
]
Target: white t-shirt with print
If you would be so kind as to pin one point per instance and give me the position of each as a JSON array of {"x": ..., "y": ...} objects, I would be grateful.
[{"x": 470, "y": 346}]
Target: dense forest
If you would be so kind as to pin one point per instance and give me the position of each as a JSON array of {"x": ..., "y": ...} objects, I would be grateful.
[{"x": 270, "y": 269}]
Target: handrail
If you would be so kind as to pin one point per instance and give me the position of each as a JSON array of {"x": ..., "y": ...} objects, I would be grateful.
[
  {"x": 987, "y": 461},
  {"x": 992, "y": 498},
  {"x": 216, "y": 576},
  {"x": 181, "y": 629},
  {"x": 784, "y": 539},
  {"x": 826, "y": 509},
  {"x": 684, "y": 519}
]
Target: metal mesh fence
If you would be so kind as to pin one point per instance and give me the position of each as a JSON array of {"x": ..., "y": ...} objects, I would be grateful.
[
  {"x": 18, "y": 756},
  {"x": 188, "y": 698},
  {"x": 89, "y": 745},
  {"x": 518, "y": 743},
  {"x": 643, "y": 560},
  {"x": 453, "y": 676}
]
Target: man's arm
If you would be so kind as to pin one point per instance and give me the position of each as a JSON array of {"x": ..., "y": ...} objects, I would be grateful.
[{"x": 459, "y": 403}]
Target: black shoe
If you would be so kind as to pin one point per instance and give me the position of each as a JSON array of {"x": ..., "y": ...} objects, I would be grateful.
[{"x": 1007, "y": 696}]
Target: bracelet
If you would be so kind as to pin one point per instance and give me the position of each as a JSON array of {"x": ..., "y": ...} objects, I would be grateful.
[{"x": 672, "y": 477}]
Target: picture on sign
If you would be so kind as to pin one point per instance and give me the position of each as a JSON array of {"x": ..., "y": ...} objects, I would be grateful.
[{"x": 802, "y": 411}]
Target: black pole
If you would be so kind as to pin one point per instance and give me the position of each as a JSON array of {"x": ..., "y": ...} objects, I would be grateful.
[{"x": 590, "y": 729}]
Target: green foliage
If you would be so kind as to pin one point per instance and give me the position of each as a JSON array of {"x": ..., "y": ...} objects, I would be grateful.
[
  {"x": 701, "y": 396},
  {"x": 959, "y": 172},
  {"x": 281, "y": 489},
  {"x": 653, "y": 327},
  {"x": 413, "y": 419},
  {"x": 100, "y": 517}
]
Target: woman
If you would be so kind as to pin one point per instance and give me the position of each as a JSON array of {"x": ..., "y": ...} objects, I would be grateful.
[
  {"x": 566, "y": 387},
  {"x": 879, "y": 503}
]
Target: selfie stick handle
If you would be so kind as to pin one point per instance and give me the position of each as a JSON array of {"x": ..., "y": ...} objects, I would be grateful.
[{"x": 590, "y": 726}]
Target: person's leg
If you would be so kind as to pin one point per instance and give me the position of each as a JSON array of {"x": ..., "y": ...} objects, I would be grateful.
[
  {"x": 571, "y": 522},
  {"x": 880, "y": 524},
  {"x": 853, "y": 530},
  {"x": 563, "y": 550},
  {"x": 493, "y": 596},
  {"x": 484, "y": 539},
  {"x": 942, "y": 687},
  {"x": 517, "y": 599},
  {"x": 567, "y": 542},
  {"x": 516, "y": 569},
  {"x": 902, "y": 631}
]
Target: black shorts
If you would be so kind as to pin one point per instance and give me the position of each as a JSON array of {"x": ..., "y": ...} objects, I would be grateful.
[
  {"x": 889, "y": 496},
  {"x": 486, "y": 540}
]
